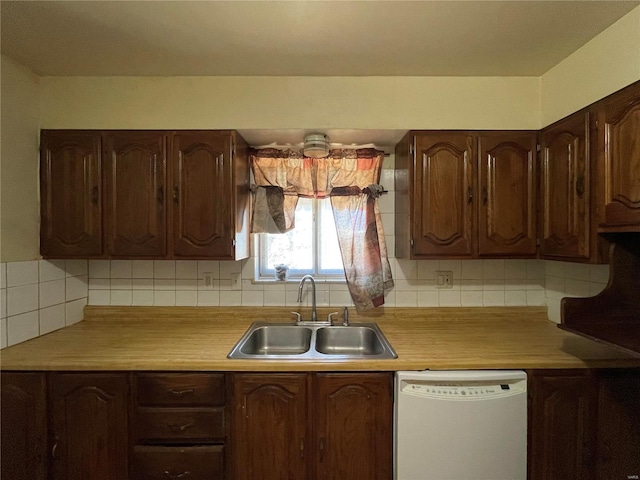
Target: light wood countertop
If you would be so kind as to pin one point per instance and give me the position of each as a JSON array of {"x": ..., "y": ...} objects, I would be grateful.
[{"x": 199, "y": 339}]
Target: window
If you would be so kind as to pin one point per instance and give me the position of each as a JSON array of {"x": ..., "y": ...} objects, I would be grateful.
[{"x": 310, "y": 248}]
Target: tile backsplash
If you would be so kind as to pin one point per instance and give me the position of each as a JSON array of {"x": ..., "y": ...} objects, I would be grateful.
[{"x": 42, "y": 296}]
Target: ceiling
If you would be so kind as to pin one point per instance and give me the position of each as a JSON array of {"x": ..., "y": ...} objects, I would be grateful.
[{"x": 300, "y": 38}]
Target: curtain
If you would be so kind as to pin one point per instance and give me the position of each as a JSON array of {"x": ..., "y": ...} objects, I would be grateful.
[{"x": 350, "y": 178}]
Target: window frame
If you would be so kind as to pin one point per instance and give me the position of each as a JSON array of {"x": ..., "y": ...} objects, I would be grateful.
[{"x": 265, "y": 273}]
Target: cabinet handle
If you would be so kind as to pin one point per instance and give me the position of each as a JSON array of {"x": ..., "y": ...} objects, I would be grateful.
[
  {"x": 184, "y": 474},
  {"x": 485, "y": 196},
  {"x": 469, "y": 195},
  {"x": 321, "y": 449},
  {"x": 54, "y": 449},
  {"x": 176, "y": 194},
  {"x": 179, "y": 393},
  {"x": 94, "y": 194},
  {"x": 580, "y": 186},
  {"x": 160, "y": 195},
  {"x": 179, "y": 428}
]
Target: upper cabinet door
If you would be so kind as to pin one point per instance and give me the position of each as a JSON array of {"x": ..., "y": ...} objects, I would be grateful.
[
  {"x": 136, "y": 197},
  {"x": 619, "y": 160},
  {"x": 443, "y": 189},
  {"x": 507, "y": 211},
  {"x": 203, "y": 195},
  {"x": 70, "y": 191},
  {"x": 565, "y": 188}
]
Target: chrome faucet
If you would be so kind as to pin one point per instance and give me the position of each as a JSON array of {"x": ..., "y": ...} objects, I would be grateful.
[{"x": 314, "y": 311}]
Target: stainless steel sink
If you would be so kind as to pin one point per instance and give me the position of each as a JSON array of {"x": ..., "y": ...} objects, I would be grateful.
[
  {"x": 352, "y": 340},
  {"x": 264, "y": 340},
  {"x": 277, "y": 340}
]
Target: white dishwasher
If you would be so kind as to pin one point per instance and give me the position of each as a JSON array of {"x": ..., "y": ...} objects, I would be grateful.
[{"x": 461, "y": 425}]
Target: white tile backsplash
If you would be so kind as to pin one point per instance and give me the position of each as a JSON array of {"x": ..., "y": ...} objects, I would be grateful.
[
  {"x": 23, "y": 327},
  {"x": 22, "y": 273},
  {"x": 52, "y": 318},
  {"x": 43, "y": 295},
  {"x": 52, "y": 293},
  {"x": 22, "y": 299},
  {"x": 40, "y": 296}
]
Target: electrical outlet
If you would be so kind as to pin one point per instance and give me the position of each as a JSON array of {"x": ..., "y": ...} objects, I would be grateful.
[
  {"x": 236, "y": 281},
  {"x": 207, "y": 279},
  {"x": 444, "y": 279}
]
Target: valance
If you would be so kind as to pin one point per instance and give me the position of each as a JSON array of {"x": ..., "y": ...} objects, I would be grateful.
[{"x": 350, "y": 179}]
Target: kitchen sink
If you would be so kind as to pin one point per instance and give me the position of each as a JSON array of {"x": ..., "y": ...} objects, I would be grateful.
[
  {"x": 290, "y": 341},
  {"x": 277, "y": 340},
  {"x": 352, "y": 340}
]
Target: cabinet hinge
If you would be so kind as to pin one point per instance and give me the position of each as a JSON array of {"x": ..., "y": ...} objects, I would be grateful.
[
  {"x": 411, "y": 243},
  {"x": 233, "y": 243},
  {"x": 595, "y": 124},
  {"x": 411, "y": 149},
  {"x": 538, "y": 147}
]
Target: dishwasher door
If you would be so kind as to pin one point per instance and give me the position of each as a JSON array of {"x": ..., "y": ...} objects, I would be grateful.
[{"x": 461, "y": 425}]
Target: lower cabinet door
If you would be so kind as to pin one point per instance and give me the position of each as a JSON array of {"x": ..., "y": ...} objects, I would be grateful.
[
  {"x": 89, "y": 423},
  {"x": 562, "y": 425},
  {"x": 189, "y": 463},
  {"x": 24, "y": 426},
  {"x": 354, "y": 426}
]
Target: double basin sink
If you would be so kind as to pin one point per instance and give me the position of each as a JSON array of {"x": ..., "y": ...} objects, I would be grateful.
[{"x": 290, "y": 341}]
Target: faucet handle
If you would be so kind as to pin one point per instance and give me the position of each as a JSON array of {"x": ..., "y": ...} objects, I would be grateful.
[
  {"x": 298, "y": 316},
  {"x": 330, "y": 317}
]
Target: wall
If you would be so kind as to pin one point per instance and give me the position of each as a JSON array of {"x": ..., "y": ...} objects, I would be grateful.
[
  {"x": 19, "y": 201},
  {"x": 604, "y": 65},
  {"x": 291, "y": 102}
]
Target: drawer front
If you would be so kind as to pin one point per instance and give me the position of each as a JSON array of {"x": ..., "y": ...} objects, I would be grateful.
[
  {"x": 178, "y": 463},
  {"x": 180, "y": 389},
  {"x": 180, "y": 425}
]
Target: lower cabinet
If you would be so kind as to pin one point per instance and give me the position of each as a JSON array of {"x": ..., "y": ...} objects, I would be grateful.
[
  {"x": 178, "y": 426},
  {"x": 313, "y": 426},
  {"x": 89, "y": 426},
  {"x": 584, "y": 424},
  {"x": 23, "y": 411}
]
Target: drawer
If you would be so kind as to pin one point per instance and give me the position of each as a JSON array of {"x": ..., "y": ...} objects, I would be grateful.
[
  {"x": 180, "y": 425},
  {"x": 188, "y": 463},
  {"x": 180, "y": 389}
]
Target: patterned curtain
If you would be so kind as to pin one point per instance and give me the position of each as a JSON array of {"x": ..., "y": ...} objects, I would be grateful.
[{"x": 350, "y": 178}]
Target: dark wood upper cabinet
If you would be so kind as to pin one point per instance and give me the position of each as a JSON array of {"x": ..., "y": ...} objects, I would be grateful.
[
  {"x": 507, "y": 183},
  {"x": 204, "y": 194},
  {"x": 144, "y": 194},
  {"x": 442, "y": 211},
  {"x": 23, "y": 407},
  {"x": 353, "y": 420},
  {"x": 565, "y": 189},
  {"x": 618, "y": 124},
  {"x": 71, "y": 194},
  {"x": 270, "y": 426},
  {"x": 135, "y": 203},
  {"x": 89, "y": 426},
  {"x": 466, "y": 194}
]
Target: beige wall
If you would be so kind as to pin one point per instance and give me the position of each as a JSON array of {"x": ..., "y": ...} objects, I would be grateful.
[
  {"x": 19, "y": 202},
  {"x": 604, "y": 65},
  {"x": 291, "y": 102},
  {"x": 607, "y": 63}
]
